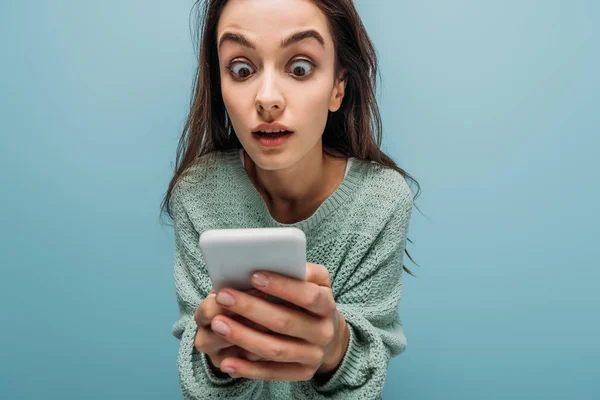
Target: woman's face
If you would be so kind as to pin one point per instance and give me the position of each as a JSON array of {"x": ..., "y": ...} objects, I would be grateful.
[{"x": 276, "y": 61}]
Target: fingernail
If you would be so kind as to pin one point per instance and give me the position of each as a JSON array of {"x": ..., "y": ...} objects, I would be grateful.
[
  {"x": 221, "y": 328},
  {"x": 225, "y": 299},
  {"x": 229, "y": 371},
  {"x": 260, "y": 280}
]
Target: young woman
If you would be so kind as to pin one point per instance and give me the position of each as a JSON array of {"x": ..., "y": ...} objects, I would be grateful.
[{"x": 284, "y": 130}]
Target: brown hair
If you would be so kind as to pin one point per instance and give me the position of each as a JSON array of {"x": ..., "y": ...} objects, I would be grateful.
[{"x": 353, "y": 131}]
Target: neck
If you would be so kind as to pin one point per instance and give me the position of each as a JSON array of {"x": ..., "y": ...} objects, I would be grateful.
[{"x": 294, "y": 193}]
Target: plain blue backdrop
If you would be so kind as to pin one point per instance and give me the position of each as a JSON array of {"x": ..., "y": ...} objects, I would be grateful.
[{"x": 493, "y": 106}]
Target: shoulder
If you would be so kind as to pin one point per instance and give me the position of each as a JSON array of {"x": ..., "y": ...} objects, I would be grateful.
[
  {"x": 202, "y": 179},
  {"x": 389, "y": 182},
  {"x": 384, "y": 192}
]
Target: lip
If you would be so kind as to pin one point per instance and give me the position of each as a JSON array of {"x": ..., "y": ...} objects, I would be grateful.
[
  {"x": 272, "y": 142},
  {"x": 273, "y": 126}
]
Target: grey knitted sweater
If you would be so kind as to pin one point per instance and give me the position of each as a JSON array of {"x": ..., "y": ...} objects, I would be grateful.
[{"x": 359, "y": 233}]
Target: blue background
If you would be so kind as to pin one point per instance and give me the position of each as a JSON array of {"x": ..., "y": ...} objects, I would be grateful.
[{"x": 493, "y": 106}]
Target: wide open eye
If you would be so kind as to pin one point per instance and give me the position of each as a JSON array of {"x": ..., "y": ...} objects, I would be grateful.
[
  {"x": 241, "y": 69},
  {"x": 301, "y": 68}
]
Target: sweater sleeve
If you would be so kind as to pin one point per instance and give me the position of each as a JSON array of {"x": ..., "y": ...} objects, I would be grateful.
[
  {"x": 196, "y": 379},
  {"x": 369, "y": 302}
]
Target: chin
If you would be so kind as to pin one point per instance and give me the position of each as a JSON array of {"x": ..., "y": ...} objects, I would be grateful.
[
  {"x": 273, "y": 163},
  {"x": 271, "y": 160}
]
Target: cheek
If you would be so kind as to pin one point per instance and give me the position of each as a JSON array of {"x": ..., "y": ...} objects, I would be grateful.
[
  {"x": 318, "y": 91},
  {"x": 236, "y": 102},
  {"x": 312, "y": 104},
  {"x": 228, "y": 94}
]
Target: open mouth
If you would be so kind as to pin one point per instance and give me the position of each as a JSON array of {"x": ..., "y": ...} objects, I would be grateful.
[
  {"x": 272, "y": 133},
  {"x": 272, "y": 138}
]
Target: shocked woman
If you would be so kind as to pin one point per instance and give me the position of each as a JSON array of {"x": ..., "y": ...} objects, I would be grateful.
[{"x": 284, "y": 130}]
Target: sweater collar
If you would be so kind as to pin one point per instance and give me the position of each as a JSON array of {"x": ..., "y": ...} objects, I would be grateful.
[{"x": 343, "y": 193}]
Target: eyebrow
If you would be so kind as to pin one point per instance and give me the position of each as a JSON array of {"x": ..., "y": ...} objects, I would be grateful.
[{"x": 295, "y": 38}]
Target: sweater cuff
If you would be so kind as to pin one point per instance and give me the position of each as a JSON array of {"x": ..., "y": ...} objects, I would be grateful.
[
  {"x": 210, "y": 374},
  {"x": 192, "y": 361},
  {"x": 347, "y": 371},
  {"x": 200, "y": 360}
]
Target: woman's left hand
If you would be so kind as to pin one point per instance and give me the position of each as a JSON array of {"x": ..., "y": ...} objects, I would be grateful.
[{"x": 308, "y": 338}]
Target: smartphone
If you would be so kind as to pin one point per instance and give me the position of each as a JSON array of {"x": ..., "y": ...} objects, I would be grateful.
[{"x": 233, "y": 255}]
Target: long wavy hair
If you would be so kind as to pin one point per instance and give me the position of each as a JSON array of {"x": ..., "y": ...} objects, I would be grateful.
[{"x": 353, "y": 131}]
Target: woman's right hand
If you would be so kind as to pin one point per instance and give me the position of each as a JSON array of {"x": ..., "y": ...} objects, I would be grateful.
[{"x": 214, "y": 346}]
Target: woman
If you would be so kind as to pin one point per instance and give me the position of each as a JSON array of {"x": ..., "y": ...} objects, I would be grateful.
[{"x": 284, "y": 130}]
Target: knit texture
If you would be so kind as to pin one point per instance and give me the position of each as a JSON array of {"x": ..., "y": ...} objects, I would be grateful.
[{"x": 358, "y": 233}]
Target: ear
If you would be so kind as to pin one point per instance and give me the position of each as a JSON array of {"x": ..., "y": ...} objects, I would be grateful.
[{"x": 337, "y": 94}]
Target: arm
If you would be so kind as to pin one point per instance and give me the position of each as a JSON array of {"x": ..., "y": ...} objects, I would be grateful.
[{"x": 197, "y": 378}]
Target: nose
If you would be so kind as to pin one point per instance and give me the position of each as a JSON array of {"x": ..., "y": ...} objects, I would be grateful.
[{"x": 269, "y": 99}]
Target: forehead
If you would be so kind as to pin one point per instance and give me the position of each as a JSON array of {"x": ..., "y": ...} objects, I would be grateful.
[{"x": 268, "y": 21}]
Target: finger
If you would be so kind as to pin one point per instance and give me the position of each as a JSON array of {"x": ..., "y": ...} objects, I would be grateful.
[
  {"x": 253, "y": 292},
  {"x": 233, "y": 352},
  {"x": 229, "y": 352},
  {"x": 268, "y": 370},
  {"x": 206, "y": 341},
  {"x": 209, "y": 309},
  {"x": 275, "y": 317},
  {"x": 256, "y": 293},
  {"x": 250, "y": 324},
  {"x": 249, "y": 356},
  {"x": 318, "y": 274},
  {"x": 269, "y": 346},
  {"x": 272, "y": 299},
  {"x": 313, "y": 295}
]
